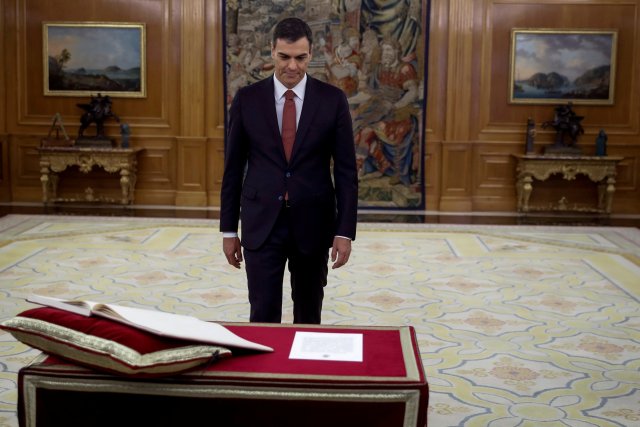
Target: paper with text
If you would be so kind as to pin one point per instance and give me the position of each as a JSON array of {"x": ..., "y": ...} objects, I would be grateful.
[{"x": 327, "y": 346}]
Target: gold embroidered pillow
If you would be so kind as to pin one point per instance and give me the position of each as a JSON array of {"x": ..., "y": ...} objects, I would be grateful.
[{"x": 106, "y": 345}]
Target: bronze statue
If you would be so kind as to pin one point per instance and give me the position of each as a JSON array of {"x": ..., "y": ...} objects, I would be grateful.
[
  {"x": 97, "y": 111},
  {"x": 58, "y": 126},
  {"x": 566, "y": 123}
]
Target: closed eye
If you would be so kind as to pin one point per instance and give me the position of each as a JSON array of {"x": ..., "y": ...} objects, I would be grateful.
[{"x": 286, "y": 57}]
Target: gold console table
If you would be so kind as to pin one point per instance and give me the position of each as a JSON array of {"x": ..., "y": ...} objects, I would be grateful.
[
  {"x": 599, "y": 169},
  {"x": 54, "y": 160}
]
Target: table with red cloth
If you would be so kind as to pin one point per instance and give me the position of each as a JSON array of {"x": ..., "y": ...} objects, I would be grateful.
[{"x": 388, "y": 388}]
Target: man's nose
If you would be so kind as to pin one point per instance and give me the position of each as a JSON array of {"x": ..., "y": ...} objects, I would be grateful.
[{"x": 292, "y": 64}]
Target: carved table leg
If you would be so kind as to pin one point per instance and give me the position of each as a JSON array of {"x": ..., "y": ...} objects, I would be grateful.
[
  {"x": 125, "y": 184},
  {"x": 527, "y": 188},
  {"x": 611, "y": 188},
  {"x": 44, "y": 179}
]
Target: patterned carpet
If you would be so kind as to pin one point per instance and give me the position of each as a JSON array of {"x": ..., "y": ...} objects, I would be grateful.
[{"x": 517, "y": 326}]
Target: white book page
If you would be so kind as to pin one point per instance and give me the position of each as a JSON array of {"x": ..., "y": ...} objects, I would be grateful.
[
  {"x": 176, "y": 326},
  {"x": 327, "y": 346},
  {"x": 74, "y": 306},
  {"x": 158, "y": 322}
]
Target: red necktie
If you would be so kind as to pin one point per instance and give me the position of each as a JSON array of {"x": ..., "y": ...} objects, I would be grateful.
[{"x": 288, "y": 123}]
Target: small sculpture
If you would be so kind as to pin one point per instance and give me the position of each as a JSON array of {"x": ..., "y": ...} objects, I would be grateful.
[
  {"x": 97, "y": 111},
  {"x": 58, "y": 126},
  {"x": 531, "y": 135},
  {"x": 125, "y": 131},
  {"x": 566, "y": 123},
  {"x": 601, "y": 143}
]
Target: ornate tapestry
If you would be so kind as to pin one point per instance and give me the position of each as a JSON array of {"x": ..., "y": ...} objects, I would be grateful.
[{"x": 374, "y": 51}]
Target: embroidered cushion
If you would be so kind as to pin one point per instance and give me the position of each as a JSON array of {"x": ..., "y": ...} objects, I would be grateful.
[{"x": 107, "y": 345}]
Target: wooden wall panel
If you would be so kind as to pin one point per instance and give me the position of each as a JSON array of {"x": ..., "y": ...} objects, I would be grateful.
[
  {"x": 478, "y": 74},
  {"x": 25, "y": 168},
  {"x": 156, "y": 165},
  {"x": 432, "y": 177},
  {"x": 155, "y": 113},
  {"x": 156, "y": 172},
  {"x": 3, "y": 59},
  {"x": 173, "y": 107},
  {"x": 627, "y": 180},
  {"x": 5, "y": 183},
  {"x": 502, "y": 16},
  {"x": 192, "y": 63},
  {"x": 436, "y": 75},
  {"x": 493, "y": 177},
  {"x": 471, "y": 130},
  {"x": 436, "y": 80},
  {"x": 456, "y": 177},
  {"x": 192, "y": 176},
  {"x": 214, "y": 102},
  {"x": 215, "y": 156}
]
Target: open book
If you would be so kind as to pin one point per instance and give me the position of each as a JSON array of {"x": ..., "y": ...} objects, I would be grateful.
[{"x": 157, "y": 322}]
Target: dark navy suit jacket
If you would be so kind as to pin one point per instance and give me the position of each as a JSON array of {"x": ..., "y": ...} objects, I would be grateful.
[{"x": 320, "y": 178}]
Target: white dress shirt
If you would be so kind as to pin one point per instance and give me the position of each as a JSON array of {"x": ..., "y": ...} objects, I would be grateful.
[{"x": 280, "y": 89}]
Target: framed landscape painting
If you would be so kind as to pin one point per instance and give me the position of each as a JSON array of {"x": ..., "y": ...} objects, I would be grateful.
[
  {"x": 558, "y": 66},
  {"x": 87, "y": 58}
]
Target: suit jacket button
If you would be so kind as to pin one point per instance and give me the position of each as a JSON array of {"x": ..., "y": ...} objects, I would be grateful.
[
  {"x": 280, "y": 198},
  {"x": 288, "y": 174}
]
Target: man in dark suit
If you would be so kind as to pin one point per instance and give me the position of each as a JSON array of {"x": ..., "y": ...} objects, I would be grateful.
[{"x": 293, "y": 203}]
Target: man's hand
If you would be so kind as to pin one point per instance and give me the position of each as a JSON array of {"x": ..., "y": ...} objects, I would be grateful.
[
  {"x": 340, "y": 252},
  {"x": 232, "y": 250}
]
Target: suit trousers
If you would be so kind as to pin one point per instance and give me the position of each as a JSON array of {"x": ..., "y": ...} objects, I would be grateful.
[{"x": 265, "y": 275}]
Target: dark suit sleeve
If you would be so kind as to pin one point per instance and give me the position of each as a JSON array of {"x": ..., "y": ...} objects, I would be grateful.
[
  {"x": 345, "y": 172},
  {"x": 235, "y": 159}
]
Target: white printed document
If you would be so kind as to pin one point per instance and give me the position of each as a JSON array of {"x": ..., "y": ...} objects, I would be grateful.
[{"x": 327, "y": 346}]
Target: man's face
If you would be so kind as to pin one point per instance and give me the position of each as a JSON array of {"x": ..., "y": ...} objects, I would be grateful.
[{"x": 291, "y": 60}]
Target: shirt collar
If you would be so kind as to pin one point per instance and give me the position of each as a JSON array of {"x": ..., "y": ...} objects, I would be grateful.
[{"x": 299, "y": 89}]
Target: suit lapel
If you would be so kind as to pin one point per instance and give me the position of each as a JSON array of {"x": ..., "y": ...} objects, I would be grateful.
[
  {"x": 266, "y": 99},
  {"x": 309, "y": 107}
]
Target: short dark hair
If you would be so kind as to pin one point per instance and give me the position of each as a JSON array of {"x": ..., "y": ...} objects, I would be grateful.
[{"x": 292, "y": 30}]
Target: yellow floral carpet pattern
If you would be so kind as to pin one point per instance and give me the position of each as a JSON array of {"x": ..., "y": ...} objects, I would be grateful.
[{"x": 517, "y": 326}]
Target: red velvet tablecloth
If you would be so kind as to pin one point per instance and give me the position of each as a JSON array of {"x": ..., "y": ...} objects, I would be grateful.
[{"x": 388, "y": 388}]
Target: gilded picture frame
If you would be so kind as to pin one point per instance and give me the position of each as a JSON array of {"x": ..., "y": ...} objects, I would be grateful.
[
  {"x": 552, "y": 66},
  {"x": 87, "y": 58}
]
